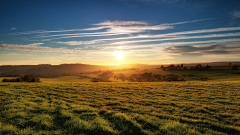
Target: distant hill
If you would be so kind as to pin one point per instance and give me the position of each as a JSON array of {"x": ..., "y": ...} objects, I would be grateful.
[
  {"x": 79, "y": 68},
  {"x": 63, "y": 68}
]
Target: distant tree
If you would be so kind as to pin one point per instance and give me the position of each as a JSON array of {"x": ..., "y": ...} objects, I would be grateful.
[
  {"x": 157, "y": 76},
  {"x": 172, "y": 78},
  {"x": 230, "y": 63},
  {"x": 235, "y": 67},
  {"x": 198, "y": 66},
  {"x": 18, "y": 80},
  {"x": 207, "y": 67},
  {"x": 147, "y": 75},
  {"x": 25, "y": 78}
]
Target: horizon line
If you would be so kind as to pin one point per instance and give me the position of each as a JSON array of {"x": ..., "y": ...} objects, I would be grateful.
[{"x": 120, "y": 64}]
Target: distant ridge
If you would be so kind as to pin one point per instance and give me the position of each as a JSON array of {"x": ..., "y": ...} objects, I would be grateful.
[{"x": 79, "y": 68}]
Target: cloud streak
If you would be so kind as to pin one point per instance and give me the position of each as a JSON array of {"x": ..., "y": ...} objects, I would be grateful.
[
  {"x": 13, "y": 28},
  {"x": 189, "y": 21},
  {"x": 178, "y": 38},
  {"x": 78, "y": 42},
  {"x": 221, "y": 41},
  {"x": 175, "y": 34},
  {"x": 202, "y": 50},
  {"x": 236, "y": 14},
  {"x": 58, "y": 31},
  {"x": 35, "y": 47},
  {"x": 112, "y": 23},
  {"x": 114, "y": 27}
]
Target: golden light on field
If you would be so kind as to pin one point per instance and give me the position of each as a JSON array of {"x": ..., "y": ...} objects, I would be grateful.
[{"x": 119, "y": 55}]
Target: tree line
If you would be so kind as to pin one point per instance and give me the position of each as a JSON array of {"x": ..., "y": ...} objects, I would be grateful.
[{"x": 25, "y": 78}]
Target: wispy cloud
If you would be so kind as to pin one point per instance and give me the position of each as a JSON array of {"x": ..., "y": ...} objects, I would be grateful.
[
  {"x": 95, "y": 28},
  {"x": 235, "y": 18},
  {"x": 13, "y": 28},
  {"x": 134, "y": 32},
  {"x": 34, "y": 47},
  {"x": 202, "y": 50},
  {"x": 121, "y": 28},
  {"x": 178, "y": 38},
  {"x": 189, "y": 21},
  {"x": 220, "y": 41},
  {"x": 131, "y": 26},
  {"x": 181, "y": 33},
  {"x": 140, "y": 36},
  {"x": 35, "y": 44},
  {"x": 138, "y": 28},
  {"x": 112, "y": 28},
  {"x": 58, "y": 31},
  {"x": 122, "y": 23},
  {"x": 95, "y": 34},
  {"x": 42, "y": 31},
  {"x": 236, "y": 14},
  {"x": 79, "y": 42}
]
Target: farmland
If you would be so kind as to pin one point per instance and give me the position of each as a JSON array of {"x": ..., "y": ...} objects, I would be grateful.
[{"x": 75, "y": 105}]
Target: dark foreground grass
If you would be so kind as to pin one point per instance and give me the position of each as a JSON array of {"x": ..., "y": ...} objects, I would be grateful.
[{"x": 120, "y": 108}]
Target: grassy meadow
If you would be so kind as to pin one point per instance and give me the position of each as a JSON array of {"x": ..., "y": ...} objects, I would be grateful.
[{"x": 74, "y": 105}]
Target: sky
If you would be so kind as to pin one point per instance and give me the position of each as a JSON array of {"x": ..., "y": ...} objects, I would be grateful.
[{"x": 113, "y": 32}]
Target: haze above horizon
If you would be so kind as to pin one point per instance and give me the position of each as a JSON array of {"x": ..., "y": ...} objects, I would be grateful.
[{"x": 112, "y": 32}]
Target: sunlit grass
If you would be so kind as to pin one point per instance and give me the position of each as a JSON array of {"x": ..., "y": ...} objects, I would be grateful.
[{"x": 193, "y": 107}]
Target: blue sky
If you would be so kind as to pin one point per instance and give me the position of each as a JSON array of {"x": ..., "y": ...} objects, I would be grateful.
[{"x": 119, "y": 31}]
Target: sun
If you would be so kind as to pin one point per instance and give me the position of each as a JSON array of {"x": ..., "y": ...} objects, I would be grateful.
[{"x": 119, "y": 55}]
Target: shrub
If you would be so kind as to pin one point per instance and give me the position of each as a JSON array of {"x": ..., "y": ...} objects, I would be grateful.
[
  {"x": 5, "y": 80},
  {"x": 203, "y": 78},
  {"x": 29, "y": 78},
  {"x": 172, "y": 78},
  {"x": 13, "y": 80}
]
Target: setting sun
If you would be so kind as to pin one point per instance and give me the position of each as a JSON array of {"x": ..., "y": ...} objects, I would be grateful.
[{"x": 119, "y": 55}]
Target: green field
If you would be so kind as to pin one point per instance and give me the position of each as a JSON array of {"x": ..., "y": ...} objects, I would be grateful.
[{"x": 74, "y": 105}]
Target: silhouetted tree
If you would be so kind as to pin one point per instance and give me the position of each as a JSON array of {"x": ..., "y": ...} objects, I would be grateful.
[
  {"x": 207, "y": 67},
  {"x": 25, "y": 78},
  {"x": 235, "y": 67},
  {"x": 5, "y": 80}
]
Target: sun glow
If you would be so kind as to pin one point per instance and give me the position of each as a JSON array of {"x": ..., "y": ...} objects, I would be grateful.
[{"x": 119, "y": 55}]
